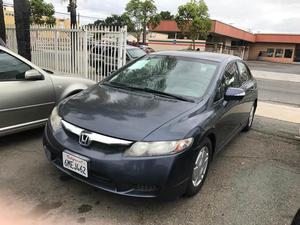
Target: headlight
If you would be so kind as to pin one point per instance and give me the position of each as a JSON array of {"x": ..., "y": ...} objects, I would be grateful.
[
  {"x": 55, "y": 120},
  {"x": 158, "y": 148}
]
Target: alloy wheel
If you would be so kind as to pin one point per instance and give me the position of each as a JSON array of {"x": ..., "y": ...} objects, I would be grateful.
[{"x": 200, "y": 166}]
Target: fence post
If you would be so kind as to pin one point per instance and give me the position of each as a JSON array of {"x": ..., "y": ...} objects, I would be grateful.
[
  {"x": 124, "y": 43},
  {"x": 56, "y": 50},
  {"x": 85, "y": 52}
]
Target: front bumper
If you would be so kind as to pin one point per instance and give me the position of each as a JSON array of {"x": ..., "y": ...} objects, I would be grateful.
[{"x": 164, "y": 176}]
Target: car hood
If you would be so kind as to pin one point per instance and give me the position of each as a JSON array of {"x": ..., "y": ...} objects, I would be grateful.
[{"x": 121, "y": 113}]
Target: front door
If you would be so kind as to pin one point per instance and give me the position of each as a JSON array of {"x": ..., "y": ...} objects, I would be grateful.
[
  {"x": 22, "y": 102},
  {"x": 228, "y": 113}
]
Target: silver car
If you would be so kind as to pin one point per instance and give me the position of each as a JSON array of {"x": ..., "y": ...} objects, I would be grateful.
[{"x": 28, "y": 94}]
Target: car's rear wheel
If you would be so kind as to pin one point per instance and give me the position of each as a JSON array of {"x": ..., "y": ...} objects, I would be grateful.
[
  {"x": 250, "y": 119},
  {"x": 200, "y": 168}
]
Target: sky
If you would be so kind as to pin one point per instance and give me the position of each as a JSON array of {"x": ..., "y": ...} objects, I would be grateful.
[{"x": 264, "y": 16}]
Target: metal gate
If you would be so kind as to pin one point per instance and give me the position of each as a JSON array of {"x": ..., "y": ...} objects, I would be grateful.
[{"x": 88, "y": 51}]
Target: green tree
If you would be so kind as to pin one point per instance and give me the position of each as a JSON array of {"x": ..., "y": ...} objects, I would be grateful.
[
  {"x": 2, "y": 23},
  {"x": 41, "y": 12},
  {"x": 193, "y": 19},
  {"x": 166, "y": 15},
  {"x": 115, "y": 20},
  {"x": 142, "y": 13},
  {"x": 22, "y": 20}
]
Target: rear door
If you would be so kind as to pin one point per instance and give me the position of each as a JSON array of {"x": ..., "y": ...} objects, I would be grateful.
[
  {"x": 22, "y": 102},
  {"x": 249, "y": 85}
]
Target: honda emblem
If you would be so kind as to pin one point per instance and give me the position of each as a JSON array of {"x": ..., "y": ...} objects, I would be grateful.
[{"x": 84, "y": 139}]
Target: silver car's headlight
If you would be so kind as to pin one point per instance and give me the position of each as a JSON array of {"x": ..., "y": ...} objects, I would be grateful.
[
  {"x": 158, "y": 148},
  {"x": 55, "y": 120}
]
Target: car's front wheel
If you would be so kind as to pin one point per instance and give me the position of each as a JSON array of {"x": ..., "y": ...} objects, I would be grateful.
[{"x": 200, "y": 168}]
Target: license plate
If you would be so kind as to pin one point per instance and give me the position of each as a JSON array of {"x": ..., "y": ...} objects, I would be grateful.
[{"x": 76, "y": 163}]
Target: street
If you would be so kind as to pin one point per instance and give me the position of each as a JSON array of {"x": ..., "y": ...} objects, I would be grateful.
[
  {"x": 274, "y": 67},
  {"x": 254, "y": 180},
  {"x": 283, "y": 92}
]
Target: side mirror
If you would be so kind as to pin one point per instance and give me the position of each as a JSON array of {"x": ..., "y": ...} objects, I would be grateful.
[
  {"x": 234, "y": 94},
  {"x": 33, "y": 75}
]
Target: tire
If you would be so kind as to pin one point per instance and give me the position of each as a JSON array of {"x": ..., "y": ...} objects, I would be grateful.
[
  {"x": 194, "y": 185},
  {"x": 250, "y": 119}
]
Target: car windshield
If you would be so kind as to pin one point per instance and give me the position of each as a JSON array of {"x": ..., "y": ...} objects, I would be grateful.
[
  {"x": 136, "y": 53},
  {"x": 167, "y": 74}
]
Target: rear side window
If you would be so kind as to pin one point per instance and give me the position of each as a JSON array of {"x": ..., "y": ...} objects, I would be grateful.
[
  {"x": 244, "y": 72},
  {"x": 11, "y": 68}
]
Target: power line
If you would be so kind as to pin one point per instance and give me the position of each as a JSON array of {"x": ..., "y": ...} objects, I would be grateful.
[{"x": 91, "y": 17}]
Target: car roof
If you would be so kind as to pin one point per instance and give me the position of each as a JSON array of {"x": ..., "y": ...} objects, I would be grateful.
[{"x": 216, "y": 57}]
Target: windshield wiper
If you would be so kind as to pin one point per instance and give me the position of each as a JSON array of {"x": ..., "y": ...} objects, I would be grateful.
[
  {"x": 169, "y": 95},
  {"x": 148, "y": 90}
]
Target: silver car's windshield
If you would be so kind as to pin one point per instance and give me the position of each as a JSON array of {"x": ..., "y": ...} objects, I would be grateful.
[{"x": 167, "y": 74}]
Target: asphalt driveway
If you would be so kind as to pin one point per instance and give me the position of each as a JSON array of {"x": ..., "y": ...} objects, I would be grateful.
[{"x": 255, "y": 180}]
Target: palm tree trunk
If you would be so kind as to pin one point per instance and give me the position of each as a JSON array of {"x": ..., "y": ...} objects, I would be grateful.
[
  {"x": 21, "y": 8},
  {"x": 2, "y": 23}
]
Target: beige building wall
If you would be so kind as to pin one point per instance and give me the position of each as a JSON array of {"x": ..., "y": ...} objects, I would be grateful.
[
  {"x": 9, "y": 18},
  {"x": 256, "y": 48},
  {"x": 9, "y": 15}
]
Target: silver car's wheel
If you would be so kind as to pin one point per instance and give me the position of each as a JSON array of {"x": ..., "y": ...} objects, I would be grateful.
[{"x": 200, "y": 166}]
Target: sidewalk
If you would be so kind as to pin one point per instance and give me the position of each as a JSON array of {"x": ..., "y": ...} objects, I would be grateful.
[
  {"x": 279, "y": 112},
  {"x": 276, "y": 76}
]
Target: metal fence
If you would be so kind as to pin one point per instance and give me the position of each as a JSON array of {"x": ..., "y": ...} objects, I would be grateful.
[
  {"x": 240, "y": 51},
  {"x": 88, "y": 51}
]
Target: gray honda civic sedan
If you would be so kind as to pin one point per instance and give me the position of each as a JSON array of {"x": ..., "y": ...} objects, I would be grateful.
[
  {"x": 152, "y": 128},
  {"x": 28, "y": 94}
]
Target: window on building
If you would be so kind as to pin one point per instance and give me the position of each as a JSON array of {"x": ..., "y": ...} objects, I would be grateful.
[
  {"x": 288, "y": 53},
  {"x": 279, "y": 53},
  {"x": 270, "y": 52}
]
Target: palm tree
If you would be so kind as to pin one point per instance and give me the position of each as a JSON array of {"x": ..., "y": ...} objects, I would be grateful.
[
  {"x": 2, "y": 23},
  {"x": 22, "y": 20},
  {"x": 72, "y": 9}
]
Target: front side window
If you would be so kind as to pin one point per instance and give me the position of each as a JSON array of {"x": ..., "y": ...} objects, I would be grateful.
[
  {"x": 168, "y": 74},
  {"x": 230, "y": 79},
  {"x": 231, "y": 76},
  {"x": 11, "y": 68},
  {"x": 244, "y": 72}
]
